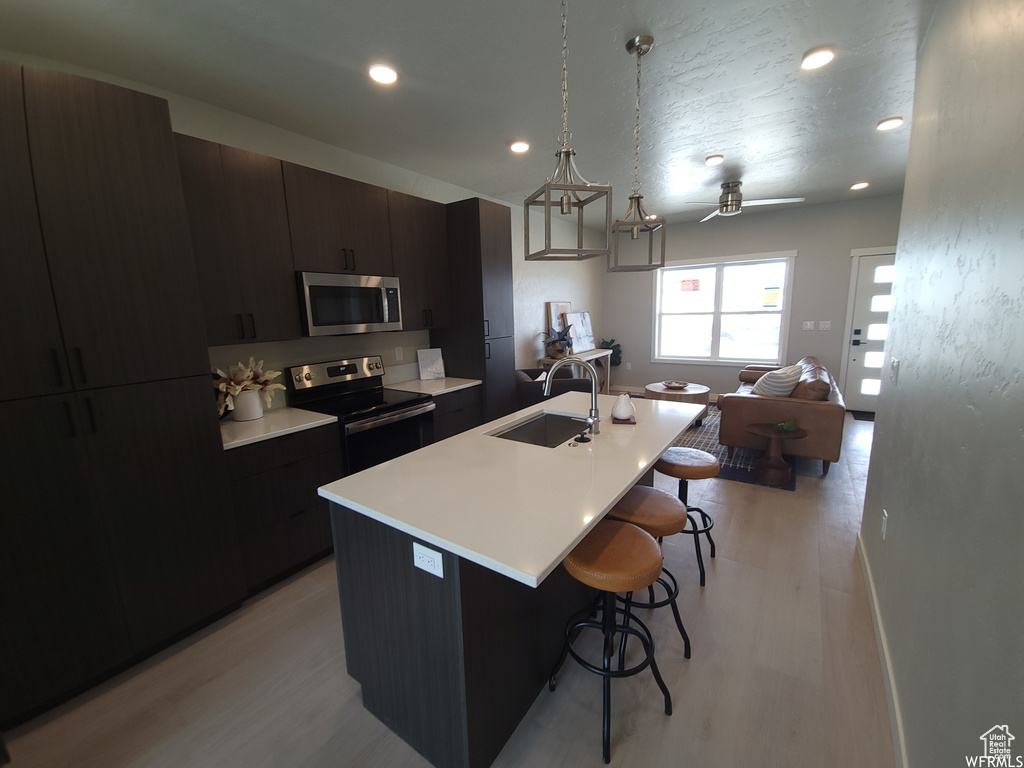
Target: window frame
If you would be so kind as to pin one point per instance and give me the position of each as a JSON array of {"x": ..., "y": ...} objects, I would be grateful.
[{"x": 720, "y": 263}]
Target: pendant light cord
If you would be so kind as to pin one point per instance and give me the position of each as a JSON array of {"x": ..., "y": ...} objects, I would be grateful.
[
  {"x": 565, "y": 76},
  {"x": 636, "y": 128}
]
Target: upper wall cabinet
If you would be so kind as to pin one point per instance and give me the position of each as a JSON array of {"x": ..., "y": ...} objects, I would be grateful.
[
  {"x": 337, "y": 224},
  {"x": 114, "y": 227},
  {"x": 239, "y": 226},
  {"x": 32, "y": 344},
  {"x": 419, "y": 243}
]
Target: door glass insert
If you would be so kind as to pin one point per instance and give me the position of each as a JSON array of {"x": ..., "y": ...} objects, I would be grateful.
[
  {"x": 878, "y": 331},
  {"x": 873, "y": 359},
  {"x": 870, "y": 386}
]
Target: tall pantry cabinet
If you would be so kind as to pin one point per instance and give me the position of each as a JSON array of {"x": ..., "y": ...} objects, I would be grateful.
[
  {"x": 481, "y": 344},
  {"x": 116, "y": 534}
]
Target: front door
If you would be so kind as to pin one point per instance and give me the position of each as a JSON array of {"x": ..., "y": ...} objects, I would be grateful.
[{"x": 868, "y": 331}]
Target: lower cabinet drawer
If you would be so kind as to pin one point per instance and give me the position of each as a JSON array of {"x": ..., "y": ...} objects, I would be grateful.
[
  {"x": 276, "y": 494},
  {"x": 274, "y": 550}
]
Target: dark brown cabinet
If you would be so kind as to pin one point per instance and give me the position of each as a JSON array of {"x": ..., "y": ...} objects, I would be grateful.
[
  {"x": 337, "y": 224},
  {"x": 481, "y": 344},
  {"x": 419, "y": 244},
  {"x": 239, "y": 226},
  {"x": 63, "y": 624},
  {"x": 158, "y": 476},
  {"x": 456, "y": 412},
  {"x": 116, "y": 534},
  {"x": 282, "y": 522},
  {"x": 33, "y": 346},
  {"x": 113, "y": 222}
]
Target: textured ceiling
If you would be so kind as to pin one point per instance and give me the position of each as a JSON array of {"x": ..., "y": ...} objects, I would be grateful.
[{"x": 474, "y": 75}]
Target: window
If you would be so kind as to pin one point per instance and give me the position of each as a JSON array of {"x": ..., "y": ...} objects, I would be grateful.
[{"x": 729, "y": 311}]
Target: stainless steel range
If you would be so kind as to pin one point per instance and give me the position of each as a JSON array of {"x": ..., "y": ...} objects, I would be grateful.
[{"x": 377, "y": 424}]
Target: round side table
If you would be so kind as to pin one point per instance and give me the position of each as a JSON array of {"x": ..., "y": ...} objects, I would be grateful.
[
  {"x": 692, "y": 393},
  {"x": 772, "y": 469}
]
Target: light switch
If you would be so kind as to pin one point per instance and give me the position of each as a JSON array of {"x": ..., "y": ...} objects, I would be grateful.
[
  {"x": 824, "y": 325},
  {"x": 808, "y": 325}
]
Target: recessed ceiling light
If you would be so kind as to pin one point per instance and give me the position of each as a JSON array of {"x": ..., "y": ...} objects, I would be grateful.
[
  {"x": 859, "y": 185},
  {"x": 817, "y": 57},
  {"x": 713, "y": 160},
  {"x": 519, "y": 146},
  {"x": 383, "y": 74},
  {"x": 890, "y": 123}
]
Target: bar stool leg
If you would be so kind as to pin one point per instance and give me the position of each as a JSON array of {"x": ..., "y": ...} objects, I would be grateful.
[{"x": 696, "y": 545}]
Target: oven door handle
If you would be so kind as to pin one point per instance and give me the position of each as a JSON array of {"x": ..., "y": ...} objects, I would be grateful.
[{"x": 380, "y": 421}]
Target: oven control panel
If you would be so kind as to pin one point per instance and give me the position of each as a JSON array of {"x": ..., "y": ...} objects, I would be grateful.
[{"x": 335, "y": 372}]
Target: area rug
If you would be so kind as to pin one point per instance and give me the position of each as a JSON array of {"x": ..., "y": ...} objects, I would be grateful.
[{"x": 705, "y": 438}]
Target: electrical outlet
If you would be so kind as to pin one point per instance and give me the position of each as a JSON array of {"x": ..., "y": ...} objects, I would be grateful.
[
  {"x": 427, "y": 559},
  {"x": 824, "y": 325},
  {"x": 885, "y": 520},
  {"x": 398, "y": 353},
  {"x": 629, "y": 366},
  {"x": 808, "y": 325}
]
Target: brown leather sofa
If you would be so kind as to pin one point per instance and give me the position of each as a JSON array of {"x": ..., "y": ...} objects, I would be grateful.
[
  {"x": 531, "y": 391},
  {"x": 816, "y": 405}
]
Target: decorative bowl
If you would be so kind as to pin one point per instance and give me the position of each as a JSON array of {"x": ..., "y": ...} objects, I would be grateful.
[{"x": 672, "y": 384}]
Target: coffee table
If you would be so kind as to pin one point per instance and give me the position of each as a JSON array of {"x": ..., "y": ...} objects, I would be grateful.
[
  {"x": 692, "y": 393},
  {"x": 772, "y": 469}
]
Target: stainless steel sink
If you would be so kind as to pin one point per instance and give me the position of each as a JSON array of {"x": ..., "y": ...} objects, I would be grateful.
[{"x": 547, "y": 429}]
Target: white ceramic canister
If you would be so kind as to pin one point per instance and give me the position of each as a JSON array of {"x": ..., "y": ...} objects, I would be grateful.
[{"x": 623, "y": 408}]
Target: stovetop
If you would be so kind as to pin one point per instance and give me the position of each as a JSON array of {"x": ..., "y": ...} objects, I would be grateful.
[{"x": 349, "y": 389}]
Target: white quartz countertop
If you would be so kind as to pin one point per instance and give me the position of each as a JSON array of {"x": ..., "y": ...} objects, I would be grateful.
[
  {"x": 435, "y": 386},
  {"x": 275, "y": 422},
  {"x": 512, "y": 507}
]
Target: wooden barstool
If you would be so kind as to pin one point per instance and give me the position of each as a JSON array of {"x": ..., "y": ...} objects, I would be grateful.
[
  {"x": 691, "y": 464},
  {"x": 660, "y": 514},
  {"x": 614, "y": 557}
]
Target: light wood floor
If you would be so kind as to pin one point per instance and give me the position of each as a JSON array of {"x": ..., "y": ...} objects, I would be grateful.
[{"x": 784, "y": 672}]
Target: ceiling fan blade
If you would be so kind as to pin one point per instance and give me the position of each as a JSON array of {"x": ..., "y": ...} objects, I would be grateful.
[
  {"x": 709, "y": 216},
  {"x": 774, "y": 201}
]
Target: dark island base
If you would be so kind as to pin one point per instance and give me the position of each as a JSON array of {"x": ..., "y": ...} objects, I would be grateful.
[{"x": 449, "y": 664}]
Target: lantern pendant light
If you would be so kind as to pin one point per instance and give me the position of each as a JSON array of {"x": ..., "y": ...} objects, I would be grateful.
[
  {"x": 637, "y": 234},
  {"x": 585, "y": 207}
]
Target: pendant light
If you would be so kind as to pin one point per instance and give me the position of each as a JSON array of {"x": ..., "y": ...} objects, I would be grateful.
[
  {"x": 638, "y": 235},
  {"x": 586, "y": 208}
]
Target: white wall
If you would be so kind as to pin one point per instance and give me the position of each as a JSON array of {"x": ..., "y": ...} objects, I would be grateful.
[
  {"x": 823, "y": 237},
  {"x": 535, "y": 282},
  {"x": 949, "y": 435}
]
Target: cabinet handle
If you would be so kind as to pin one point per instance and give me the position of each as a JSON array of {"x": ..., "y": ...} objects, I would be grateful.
[
  {"x": 352, "y": 253},
  {"x": 425, "y": 317},
  {"x": 72, "y": 432},
  {"x": 252, "y": 323},
  {"x": 487, "y": 327},
  {"x": 487, "y": 351},
  {"x": 431, "y": 315},
  {"x": 241, "y": 326},
  {"x": 81, "y": 364},
  {"x": 57, "y": 367},
  {"x": 91, "y": 414}
]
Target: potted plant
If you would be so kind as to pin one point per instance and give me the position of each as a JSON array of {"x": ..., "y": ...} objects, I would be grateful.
[{"x": 233, "y": 388}]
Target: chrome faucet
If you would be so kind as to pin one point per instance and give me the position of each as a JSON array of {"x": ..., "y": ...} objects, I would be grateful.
[{"x": 594, "y": 419}]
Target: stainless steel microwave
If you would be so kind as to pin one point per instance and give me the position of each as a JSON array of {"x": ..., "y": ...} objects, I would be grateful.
[{"x": 333, "y": 304}]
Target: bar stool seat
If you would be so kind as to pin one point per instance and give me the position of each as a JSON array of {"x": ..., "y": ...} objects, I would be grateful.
[
  {"x": 660, "y": 514},
  {"x": 692, "y": 464},
  {"x": 614, "y": 557}
]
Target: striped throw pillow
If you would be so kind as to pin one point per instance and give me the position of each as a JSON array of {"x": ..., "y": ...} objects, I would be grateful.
[{"x": 780, "y": 383}]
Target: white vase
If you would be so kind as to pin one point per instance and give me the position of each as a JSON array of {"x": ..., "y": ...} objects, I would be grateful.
[
  {"x": 248, "y": 405},
  {"x": 623, "y": 408}
]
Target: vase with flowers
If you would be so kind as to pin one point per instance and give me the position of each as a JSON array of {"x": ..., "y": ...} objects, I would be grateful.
[{"x": 239, "y": 390}]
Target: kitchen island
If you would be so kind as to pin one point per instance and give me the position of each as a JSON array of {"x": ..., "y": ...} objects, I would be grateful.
[{"x": 453, "y": 598}]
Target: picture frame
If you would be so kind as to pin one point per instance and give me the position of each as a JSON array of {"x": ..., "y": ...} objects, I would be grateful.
[
  {"x": 431, "y": 364},
  {"x": 556, "y": 314},
  {"x": 581, "y": 331}
]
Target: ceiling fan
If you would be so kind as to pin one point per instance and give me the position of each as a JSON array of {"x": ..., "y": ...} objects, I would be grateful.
[{"x": 731, "y": 201}]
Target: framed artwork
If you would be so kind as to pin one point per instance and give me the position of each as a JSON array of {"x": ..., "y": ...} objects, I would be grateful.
[
  {"x": 581, "y": 331},
  {"x": 556, "y": 314},
  {"x": 431, "y": 364}
]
